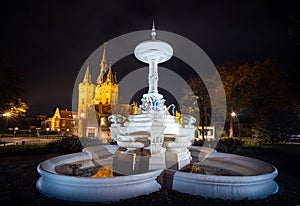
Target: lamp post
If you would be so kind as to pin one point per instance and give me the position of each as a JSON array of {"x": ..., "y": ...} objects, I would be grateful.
[
  {"x": 234, "y": 115},
  {"x": 47, "y": 129},
  {"x": 5, "y": 115},
  {"x": 15, "y": 131}
]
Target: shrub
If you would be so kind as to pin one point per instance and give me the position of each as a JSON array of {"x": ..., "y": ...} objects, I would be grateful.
[
  {"x": 66, "y": 145},
  {"x": 229, "y": 145}
]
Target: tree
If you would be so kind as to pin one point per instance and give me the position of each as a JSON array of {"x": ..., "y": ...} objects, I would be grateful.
[
  {"x": 10, "y": 83},
  {"x": 197, "y": 103},
  {"x": 260, "y": 88},
  {"x": 17, "y": 107},
  {"x": 10, "y": 90}
]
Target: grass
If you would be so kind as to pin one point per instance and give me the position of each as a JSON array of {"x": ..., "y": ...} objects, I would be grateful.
[
  {"x": 25, "y": 149},
  {"x": 63, "y": 145},
  {"x": 25, "y": 146}
]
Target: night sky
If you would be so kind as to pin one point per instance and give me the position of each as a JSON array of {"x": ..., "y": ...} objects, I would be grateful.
[{"x": 48, "y": 41}]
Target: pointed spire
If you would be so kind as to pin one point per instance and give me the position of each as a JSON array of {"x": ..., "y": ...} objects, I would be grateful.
[
  {"x": 87, "y": 76},
  {"x": 103, "y": 61},
  {"x": 103, "y": 65},
  {"x": 115, "y": 78},
  {"x": 153, "y": 33},
  {"x": 109, "y": 77}
]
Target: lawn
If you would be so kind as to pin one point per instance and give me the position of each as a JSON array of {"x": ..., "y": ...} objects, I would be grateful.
[{"x": 18, "y": 177}]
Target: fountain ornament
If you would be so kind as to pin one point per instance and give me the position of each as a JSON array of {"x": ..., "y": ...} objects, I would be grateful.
[{"x": 152, "y": 144}]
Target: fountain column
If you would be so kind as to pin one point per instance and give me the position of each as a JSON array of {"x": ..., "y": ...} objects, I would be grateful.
[
  {"x": 153, "y": 77},
  {"x": 153, "y": 52}
]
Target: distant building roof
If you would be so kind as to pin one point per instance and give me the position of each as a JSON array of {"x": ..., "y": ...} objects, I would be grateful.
[{"x": 66, "y": 114}]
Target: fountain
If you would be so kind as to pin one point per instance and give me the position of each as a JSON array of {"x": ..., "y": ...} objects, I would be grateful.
[
  {"x": 152, "y": 144},
  {"x": 153, "y": 128}
]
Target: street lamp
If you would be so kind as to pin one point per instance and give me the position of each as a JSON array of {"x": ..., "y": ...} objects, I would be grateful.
[
  {"x": 15, "y": 131},
  {"x": 6, "y": 114},
  {"x": 234, "y": 115}
]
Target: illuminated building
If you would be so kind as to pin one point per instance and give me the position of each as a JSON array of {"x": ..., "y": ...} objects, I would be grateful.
[
  {"x": 63, "y": 122},
  {"x": 96, "y": 99}
]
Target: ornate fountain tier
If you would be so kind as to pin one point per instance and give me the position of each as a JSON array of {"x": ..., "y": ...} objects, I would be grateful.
[
  {"x": 153, "y": 52},
  {"x": 153, "y": 127}
]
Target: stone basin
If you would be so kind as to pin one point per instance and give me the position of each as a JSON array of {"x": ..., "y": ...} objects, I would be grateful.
[
  {"x": 251, "y": 178},
  {"x": 87, "y": 189}
]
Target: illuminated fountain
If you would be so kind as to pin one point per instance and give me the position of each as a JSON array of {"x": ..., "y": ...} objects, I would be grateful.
[
  {"x": 152, "y": 144},
  {"x": 153, "y": 128}
]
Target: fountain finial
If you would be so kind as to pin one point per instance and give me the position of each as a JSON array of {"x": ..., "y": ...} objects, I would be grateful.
[{"x": 153, "y": 33}]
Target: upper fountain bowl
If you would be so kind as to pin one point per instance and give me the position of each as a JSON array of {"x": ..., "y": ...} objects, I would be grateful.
[{"x": 153, "y": 51}]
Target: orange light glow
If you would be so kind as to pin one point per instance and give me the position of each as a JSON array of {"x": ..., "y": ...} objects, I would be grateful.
[{"x": 104, "y": 172}]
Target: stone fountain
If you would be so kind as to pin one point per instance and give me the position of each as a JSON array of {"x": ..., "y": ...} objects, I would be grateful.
[
  {"x": 153, "y": 150},
  {"x": 153, "y": 128}
]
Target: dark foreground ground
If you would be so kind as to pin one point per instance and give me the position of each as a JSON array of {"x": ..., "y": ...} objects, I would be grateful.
[{"x": 18, "y": 177}]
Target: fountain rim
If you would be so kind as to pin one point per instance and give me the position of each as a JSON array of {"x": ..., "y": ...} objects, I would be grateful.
[
  {"x": 212, "y": 178},
  {"x": 188, "y": 175},
  {"x": 78, "y": 179}
]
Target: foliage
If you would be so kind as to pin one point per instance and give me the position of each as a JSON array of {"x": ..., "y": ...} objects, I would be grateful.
[
  {"x": 229, "y": 145},
  {"x": 66, "y": 145},
  {"x": 10, "y": 82},
  {"x": 198, "y": 142},
  {"x": 260, "y": 132},
  {"x": 11, "y": 85},
  {"x": 17, "y": 107},
  {"x": 261, "y": 89},
  {"x": 204, "y": 94}
]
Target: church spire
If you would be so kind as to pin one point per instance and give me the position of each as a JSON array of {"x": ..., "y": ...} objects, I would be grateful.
[
  {"x": 87, "y": 76},
  {"x": 103, "y": 65},
  {"x": 109, "y": 77},
  {"x": 115, "y": 78}
]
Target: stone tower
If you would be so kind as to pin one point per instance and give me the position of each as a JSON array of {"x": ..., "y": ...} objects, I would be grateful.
[
  {"x": 86, "y": 92},
  {"x": 94, "y": 101}
]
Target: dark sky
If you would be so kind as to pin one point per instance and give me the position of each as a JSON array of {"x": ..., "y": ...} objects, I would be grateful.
[{"x": 48, "y": 41}]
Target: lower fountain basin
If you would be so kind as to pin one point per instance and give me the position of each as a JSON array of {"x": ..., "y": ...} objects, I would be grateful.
[
  {"x": 252, "y": 178},
  {"x": 86, "y": 189}
]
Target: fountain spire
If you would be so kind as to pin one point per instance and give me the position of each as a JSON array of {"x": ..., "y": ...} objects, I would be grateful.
[
  {"x": 153, "y": 33},
  {"x": 153, "y": 52}
]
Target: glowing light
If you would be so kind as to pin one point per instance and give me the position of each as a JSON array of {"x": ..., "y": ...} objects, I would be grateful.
[
  {"x": 82, "y": 115},
  {"x": 102, "y": 121},
  {"x": 233, "y": 114},
  {"x": 6, "y": 114},
  {"x": 104, "y": 172}
]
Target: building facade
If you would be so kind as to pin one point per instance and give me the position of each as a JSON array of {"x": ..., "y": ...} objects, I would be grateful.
[
  {"x": 63, "y": 122},
  {"x": 94, "y": 101}
]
